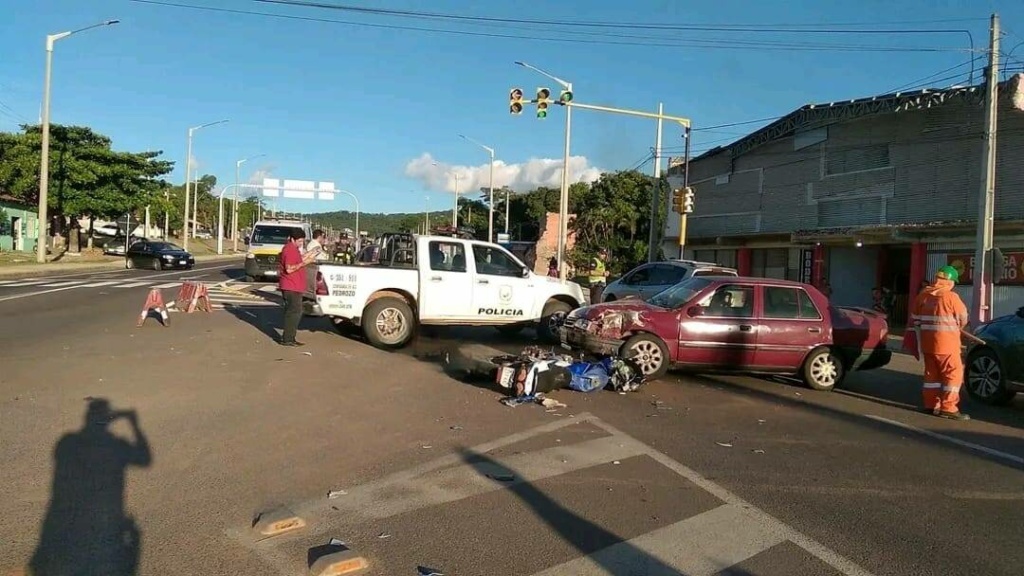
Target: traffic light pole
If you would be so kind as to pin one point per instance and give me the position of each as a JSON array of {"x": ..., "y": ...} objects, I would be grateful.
[{"x": 686, "y": 186}]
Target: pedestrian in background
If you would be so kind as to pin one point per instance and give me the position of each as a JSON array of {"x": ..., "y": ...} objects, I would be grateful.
[
  {"x": 598, "y": 275},
  {"x": 553, "y": 267},
  {"x": 316, "y": 245},
  {"x": 939, "y": 316},
  {"x": 292, "y": 281}
]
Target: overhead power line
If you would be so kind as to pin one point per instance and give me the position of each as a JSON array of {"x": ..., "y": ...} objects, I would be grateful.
[{"x": 600, "y": 38}]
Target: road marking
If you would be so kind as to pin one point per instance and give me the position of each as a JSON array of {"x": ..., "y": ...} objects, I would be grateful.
[
  {"x": 98, "y": 284},
  {"x": 962, "y": 443},
  {"x": 168, "y": 285},
  {"x": 705, "y": 544},
  {"x": 59, "y": 284},
  {"x": 51, "y": 291},
  {"x": 25, "y": 283},
  {"x": 134, "y": 284}
]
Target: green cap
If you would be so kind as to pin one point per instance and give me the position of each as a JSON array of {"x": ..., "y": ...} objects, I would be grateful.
[{"x": 949, "y": 273}]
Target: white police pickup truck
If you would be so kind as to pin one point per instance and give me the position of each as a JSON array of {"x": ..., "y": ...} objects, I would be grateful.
[{"x": 437, "y": 280}]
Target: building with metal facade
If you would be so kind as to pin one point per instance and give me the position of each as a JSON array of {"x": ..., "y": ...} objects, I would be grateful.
[{"x": 861, "y": 194}]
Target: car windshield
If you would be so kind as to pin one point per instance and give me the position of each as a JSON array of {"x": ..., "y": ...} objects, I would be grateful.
[
  {"x": 271, "y": 234},
  {"x": 679, "y": 294},
  {"x": 161, "y": 246}
]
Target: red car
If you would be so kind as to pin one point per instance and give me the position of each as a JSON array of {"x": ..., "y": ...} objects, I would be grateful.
[{"x": 735, "y": 324}]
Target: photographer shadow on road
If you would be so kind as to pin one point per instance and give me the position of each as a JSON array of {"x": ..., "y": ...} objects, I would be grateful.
[{"x": 86, "y": 530}]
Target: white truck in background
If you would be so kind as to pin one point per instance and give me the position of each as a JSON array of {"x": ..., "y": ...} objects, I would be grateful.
[{"x": 440, "y": 281}]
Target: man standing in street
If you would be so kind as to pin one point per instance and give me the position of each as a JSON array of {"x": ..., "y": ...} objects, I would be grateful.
[
  {"x": 316, "y": 245},
  {"x": 939, "y": 316},
  {"x": 292, "y": 282},
  {"x": 598, "y": 275}
]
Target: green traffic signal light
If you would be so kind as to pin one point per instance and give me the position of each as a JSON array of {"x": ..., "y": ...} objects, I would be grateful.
[
  {"x": 565, "y": 96},
  {"x": 542, "y": 110}
]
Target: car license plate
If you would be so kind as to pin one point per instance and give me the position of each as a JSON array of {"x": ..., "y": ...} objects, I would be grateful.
[{"x": 182, "y": 262}]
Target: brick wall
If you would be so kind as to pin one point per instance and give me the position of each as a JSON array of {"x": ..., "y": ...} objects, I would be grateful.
[{"x": 547, "y": 244}]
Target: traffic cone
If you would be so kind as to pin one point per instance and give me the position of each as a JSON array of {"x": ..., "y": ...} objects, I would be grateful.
[{"x": 155, "y": 300}]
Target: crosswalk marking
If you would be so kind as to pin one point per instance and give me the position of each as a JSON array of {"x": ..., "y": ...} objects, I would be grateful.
[
  {"x": 24, "y": 283},
  {"x": 702, "y": 545},
  {"x": 134, "y": 284},
  {"x": 705, "y": 543},
  {"x": 67, "y": 283},
  {"x": 99, "y": 284},
  {"x": 168, "y": 285}
]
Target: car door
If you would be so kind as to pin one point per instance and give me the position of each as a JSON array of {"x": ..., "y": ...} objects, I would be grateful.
[
  {"x": 500, "y": 291},
  {"x": 446, "y": 287},
  {"x": 633, "y": 283},
  {"x": 721, "y": 330},
  {"x": 791, "y": 326},
  {"x": 139, "y": 253}
]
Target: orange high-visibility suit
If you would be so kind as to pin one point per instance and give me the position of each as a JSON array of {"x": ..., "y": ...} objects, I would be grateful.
[{"x": 940, "y": 314}]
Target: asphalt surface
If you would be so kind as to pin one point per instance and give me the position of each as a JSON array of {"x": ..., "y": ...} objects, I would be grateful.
[{"x": 690, "y": 475}]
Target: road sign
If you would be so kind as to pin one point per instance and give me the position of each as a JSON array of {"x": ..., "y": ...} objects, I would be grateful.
[{"x": 298, "y": 189}]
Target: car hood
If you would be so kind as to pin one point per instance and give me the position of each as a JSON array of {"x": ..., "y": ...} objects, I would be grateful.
[{"x": 616, "y": 319}]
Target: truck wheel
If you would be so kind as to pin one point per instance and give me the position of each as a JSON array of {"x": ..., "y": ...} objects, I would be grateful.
[
  {"x": 550, "y": 319},
  {"x": 388, "y": 323},
  {"x": 649, "y": 353},
  {"x": 823, "y": 370}
]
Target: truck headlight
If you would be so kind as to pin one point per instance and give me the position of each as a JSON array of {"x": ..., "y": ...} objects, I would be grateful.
[{"x": 249, "y": 255}]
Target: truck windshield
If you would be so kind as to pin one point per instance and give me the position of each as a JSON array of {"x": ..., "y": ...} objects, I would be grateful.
[
  {"x": 679, "y": 294},
  {"x": 271, "y": 234}
]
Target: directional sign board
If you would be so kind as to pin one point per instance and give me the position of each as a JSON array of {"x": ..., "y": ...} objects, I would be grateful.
[{"x": 298, "y": 189}]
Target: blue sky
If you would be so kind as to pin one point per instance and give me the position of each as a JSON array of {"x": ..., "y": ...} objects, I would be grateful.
[{"x": 362, "y": 105}]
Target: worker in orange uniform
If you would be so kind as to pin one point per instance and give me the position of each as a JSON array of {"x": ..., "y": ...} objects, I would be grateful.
[{"x": 940, "y": 315}]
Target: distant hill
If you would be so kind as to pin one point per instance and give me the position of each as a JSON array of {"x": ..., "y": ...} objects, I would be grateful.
[{"x": 378, "y": 223}]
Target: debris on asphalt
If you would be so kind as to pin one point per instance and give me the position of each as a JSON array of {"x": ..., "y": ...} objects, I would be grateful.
[
  {"x": 758, "y": 451},
  {"x": 424, "y": 571},
  {"x": 427, "y": 446},
  {"x": 502, "y": 477},
  {"x": 307, "y": 353},
  {"x": 551, "y": 403},
  {"x": 616, "y": 462},
  {"x": 456, "y": 428},
  {"x": 724, "y": 444},
  {"x": 761, "y": 421},
  {"x": 383, "y": 535},
  {"x": 335, "y": 494},
  {"x": 336, "y": 542}
]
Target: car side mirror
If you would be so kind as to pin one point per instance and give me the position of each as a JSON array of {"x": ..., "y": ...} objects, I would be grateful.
[
  {"x": 526, "y": 272},
  {"x": 694, "y": 311}
]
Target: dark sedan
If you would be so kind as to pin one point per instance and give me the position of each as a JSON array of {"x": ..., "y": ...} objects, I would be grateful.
[
  {"x": 158, "y": 256},
  {"x": 995, "y": 369}
]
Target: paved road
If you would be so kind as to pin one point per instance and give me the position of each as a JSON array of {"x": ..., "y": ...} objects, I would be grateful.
[{"x": 690, "y": 475}]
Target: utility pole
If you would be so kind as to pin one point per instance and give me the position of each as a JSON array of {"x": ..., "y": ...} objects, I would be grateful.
[
  {"x": 981, "y": 301},
  {"x": 687, "y": 133},
  {"x": 656, "y": 191}
]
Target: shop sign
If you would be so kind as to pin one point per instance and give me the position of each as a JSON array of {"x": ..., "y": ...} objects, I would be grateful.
[{"x": 1013, "y": 268}]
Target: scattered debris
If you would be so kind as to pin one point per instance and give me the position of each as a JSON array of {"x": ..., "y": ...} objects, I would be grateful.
[
  {"x": 616, "y": 462},
  {"x": 336, "y": 542},
  {"x": 551, "y": 403},
  {"x": 383, "y": 535},
  {"x": 761, "y": 421},
  {"x": 502, "y": 477},
  {"x": 758, "y": 451},
  {"x": 424, "y": 571},
  {"x": 456, "y": 428},
  {"x": 307, "y": 353},
  {"x": 724, "y": 444},
  {"x": 427, "y": 446},
  {"x": 335, "y": 494}
]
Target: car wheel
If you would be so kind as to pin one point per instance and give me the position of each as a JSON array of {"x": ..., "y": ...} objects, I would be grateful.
[
  {"x": 823, "y": 370},
  {"x": 551, "y": 319},
  {"x": 986, "y": 381},
  {"x": 388, "y": 323},
  {"x": 610, "y": 298},
  {"x": 649, "y": 352},
  {"x": 157, "y": 264},
  {"x": 129, "y": 263}
]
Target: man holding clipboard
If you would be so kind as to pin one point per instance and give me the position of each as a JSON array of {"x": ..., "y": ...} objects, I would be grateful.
[{"x": 292, "y": 282}]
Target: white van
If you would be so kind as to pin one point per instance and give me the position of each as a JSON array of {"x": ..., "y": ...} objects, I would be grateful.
[{"x": 266, "y": 240}]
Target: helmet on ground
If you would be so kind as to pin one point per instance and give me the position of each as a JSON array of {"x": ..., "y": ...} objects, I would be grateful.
[{"x": 948, "y": 273}]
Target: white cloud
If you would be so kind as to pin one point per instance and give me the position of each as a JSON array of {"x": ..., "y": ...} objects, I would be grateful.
[
  {"x": 521, "y": 177},
  {"x": 258, "y": 175}
]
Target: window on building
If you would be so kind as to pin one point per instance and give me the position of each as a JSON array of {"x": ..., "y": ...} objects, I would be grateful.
[
  {"x": 726, "y": 258},
  {"x": 843, "y": 160},
  {"x": 770, "y": 263}
]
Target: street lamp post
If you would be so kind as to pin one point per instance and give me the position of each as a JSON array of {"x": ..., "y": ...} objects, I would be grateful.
[
  {"x": 188, "y": 175},
  {"x": 44, "y": 159},
  {"x": 490, "y": 186},
  {"x": 455, "y": 208},
  {"x": 234, "y": 208},
  {"x": 563, "y": 204}
]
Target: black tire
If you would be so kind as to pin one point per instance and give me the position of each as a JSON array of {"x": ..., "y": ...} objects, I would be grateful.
[
  {"x": 129, "y": 263},
  {"x": 649, "y": 352},
  {"x": 610, "y": 298},
  {"x": 822, "y": 370},
  {"x": 157, "y": 264},
  {"x": 510, "y": 329},
  {"x": 389, "y": 323},
  {"x": 552, "y": 316},
  {"x": 985, "y": 379}
]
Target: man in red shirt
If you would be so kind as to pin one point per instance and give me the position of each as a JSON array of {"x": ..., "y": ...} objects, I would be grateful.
[{"x": 292, "y": 281}]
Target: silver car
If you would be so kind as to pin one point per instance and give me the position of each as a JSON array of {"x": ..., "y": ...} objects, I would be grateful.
[{"x": 647, "y": 280}]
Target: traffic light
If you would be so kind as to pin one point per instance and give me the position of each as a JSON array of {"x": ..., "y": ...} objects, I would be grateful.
[
  {"x": 543, "y": 98},
  {"x": 565, "y": 96},
  {"x": 677, "y": 200},
  {"x": 515, "y": 101},
  {"x": 687, "y": 200}
]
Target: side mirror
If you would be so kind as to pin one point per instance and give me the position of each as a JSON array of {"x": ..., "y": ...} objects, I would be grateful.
[
  {"x": 694, "y": 311},
  {"x": 526, "y": 272}
]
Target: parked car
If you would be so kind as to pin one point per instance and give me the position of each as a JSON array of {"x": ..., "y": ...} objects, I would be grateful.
[
  {"x": 735, "y": 324},
  {"x": 995, "y": 370},
  {"x": 158, "y": 256},
  {"x": 649, "y": 279},
  {"x": 114, "y": 245},
  {"x": 439, "y": 280}
]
